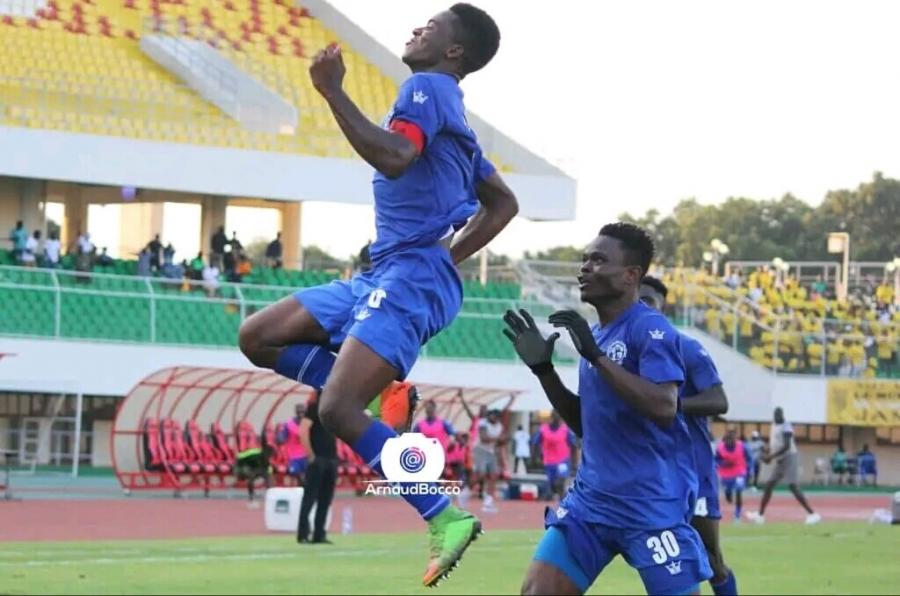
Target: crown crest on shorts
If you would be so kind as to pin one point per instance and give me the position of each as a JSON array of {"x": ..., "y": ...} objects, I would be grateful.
[{"x": 674, "y": 567}]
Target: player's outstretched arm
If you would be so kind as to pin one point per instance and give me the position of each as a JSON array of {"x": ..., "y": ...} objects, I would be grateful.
[
  {"x": 537, "y": 353},
  {"x": 387, "y": 152},
  {"x": 498, "y": 207},
  {"x": 711, "y": 402},
  {"x": 656, "y": 401}
]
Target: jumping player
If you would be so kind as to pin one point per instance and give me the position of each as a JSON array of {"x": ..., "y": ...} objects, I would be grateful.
[
  {"x": 636, "y": 486},
  {"x": 732, "y": 461},
  {"x": 701, "y": 396},
  {"x": 430, "y": 177}
]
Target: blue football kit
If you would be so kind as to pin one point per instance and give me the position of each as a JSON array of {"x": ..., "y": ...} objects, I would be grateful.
[
  {"x": 636, "y": 487},
  {"x": 700, "y": 375},
  {"x": 413, "y": 289}
]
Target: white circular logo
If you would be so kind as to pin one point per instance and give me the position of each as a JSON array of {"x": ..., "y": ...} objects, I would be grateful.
[{"x": 616, "y": 351}]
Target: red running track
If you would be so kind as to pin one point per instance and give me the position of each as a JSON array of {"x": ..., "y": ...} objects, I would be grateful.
[{"x": 136, "y": 518}]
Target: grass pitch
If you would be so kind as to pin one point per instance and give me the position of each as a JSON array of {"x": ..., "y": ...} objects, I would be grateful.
[{"x": 836, "y": 558}]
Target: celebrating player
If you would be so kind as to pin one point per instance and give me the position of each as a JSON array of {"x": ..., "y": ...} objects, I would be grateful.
[
  {"x": 430, "y": 176},
  {"x": 635, "y": 488},
  {"x": 701, "y": 396}
]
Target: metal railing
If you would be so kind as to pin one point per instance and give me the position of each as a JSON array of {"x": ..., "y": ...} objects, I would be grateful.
[
  {"x": 149, "y": 302},
  {"x": 861, "y": 272}
]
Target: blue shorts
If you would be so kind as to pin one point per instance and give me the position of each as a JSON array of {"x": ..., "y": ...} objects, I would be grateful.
[
  {"x": 297, "y": 467},
  {"x": 734, "y": 484},
  {"x": 669, "y": 561},
  {"x": 556, "y": 471},
  {"x": 394, "y": 308},
  {"x": 708, "y": 496}
]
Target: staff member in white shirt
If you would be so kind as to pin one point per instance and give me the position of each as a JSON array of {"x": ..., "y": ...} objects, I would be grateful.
[
  {"x": 783, "y": 451},
  {"x": 522, "y": 449}
]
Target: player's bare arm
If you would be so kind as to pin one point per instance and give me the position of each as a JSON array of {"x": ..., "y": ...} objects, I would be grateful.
[
  {"x": 389, "y": 153},
  {"x": 711, "y": 402},
  {"x": 305, "y": 425},
  {"x": 565, "y": 401},
  {"x": 537, "y": 352},
  {"x": 498, "y": 207},
  {"x": 786, "y": 445},
  {"x": 656, "y": 401}
]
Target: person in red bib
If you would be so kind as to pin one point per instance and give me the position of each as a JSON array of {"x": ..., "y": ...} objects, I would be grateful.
[
  {"x": 434, "y": 427},
  {"x": 731, "y": 461},
  {"x": 556, "y": 441},
  {"x": 290, "y": 437}
]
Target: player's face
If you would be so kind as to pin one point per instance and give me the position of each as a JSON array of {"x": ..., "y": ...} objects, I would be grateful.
[
  {"x": 779, "y": 416},
  {"x": 555, "y": 419},
  {"x": 431, "y": 43},
  {"x": 605, "y": 274},
  {"x": 650, "y": 297},
  {"x": 429, "y": 409},
  {"x": 299, "y": 410}
]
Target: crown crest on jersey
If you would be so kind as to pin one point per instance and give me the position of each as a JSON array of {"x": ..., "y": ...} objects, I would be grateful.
[
  {"x": 657, "y": 334},
  {"x": 674, "y": 567}
]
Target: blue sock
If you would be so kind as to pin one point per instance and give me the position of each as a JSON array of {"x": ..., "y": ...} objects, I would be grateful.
[
  {"x": 306, "y": 363},
  {"x": 727, "y": 587},
  {"x": 737, "y": 513},
  {"x": 369, "y": 448}
]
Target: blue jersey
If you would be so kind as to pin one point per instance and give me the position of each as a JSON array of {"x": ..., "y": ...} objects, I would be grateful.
[
  {"x": 634, "y": 474},
  {"x": 434, "y": 196},
  {"x": 701, "y": 374}
]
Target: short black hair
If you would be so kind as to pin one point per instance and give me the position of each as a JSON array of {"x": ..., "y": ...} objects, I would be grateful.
[
  {"x": 478, "y": 34},
  {"x": 657, "y": 284},
  {"x": 638, "y": 243}
]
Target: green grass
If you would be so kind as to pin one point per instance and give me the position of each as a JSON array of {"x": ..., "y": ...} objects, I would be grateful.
[{"x": 837, "y": 558}]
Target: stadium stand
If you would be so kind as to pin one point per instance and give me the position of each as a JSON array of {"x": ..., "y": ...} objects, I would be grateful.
[
  {"x": 790, "y": 327},
  {"x": 77, "y": 66}
]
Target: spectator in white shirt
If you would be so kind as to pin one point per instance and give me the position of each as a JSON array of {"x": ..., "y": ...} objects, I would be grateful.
[
  {"x": 85, "y": 246},
  {"x": 51, "y": 251},
  {"x": 30, "y": 254},
  {"x": 522, "y": 443},
  {"x": 210, "y": 280}
]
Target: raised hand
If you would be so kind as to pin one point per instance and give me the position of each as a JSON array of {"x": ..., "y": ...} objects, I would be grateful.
[
  {"x": 534, "y": 350},
  {"x": 579, "y": 331},
  {"x": 327, "y": 70}
]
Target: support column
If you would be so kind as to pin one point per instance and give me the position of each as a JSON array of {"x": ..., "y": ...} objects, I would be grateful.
[
  {"x": 75, "y": 219},
  {"x": 211, "y": 218},
  {"x": 138, "y": 224},
  {"x": 291, "y": 240},
  {"x": 31, "y": 201}
]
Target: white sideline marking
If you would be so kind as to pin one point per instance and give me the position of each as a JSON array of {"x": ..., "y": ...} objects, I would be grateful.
[
  {"x": 200, "y": 555},
  {"x": 200, "y": 558}
]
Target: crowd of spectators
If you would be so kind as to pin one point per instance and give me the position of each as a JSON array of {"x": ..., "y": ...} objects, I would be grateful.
[{"x": 793, "y": 326}]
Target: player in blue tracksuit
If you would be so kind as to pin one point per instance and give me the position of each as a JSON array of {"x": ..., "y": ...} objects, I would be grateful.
[
  {"x": 430, "y": 179},
  {"x": 702, "y": 396},
  {"x": 635, "y": 489}
]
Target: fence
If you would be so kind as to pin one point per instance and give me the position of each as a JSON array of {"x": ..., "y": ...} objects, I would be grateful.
[{"x": 96, "y": 306}]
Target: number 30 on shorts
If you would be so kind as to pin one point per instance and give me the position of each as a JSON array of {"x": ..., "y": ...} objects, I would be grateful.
[{"x": 664, "y": 547}]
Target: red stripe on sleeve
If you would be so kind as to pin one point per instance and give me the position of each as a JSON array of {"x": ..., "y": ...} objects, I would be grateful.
[{"x": 410, "y": 131}]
